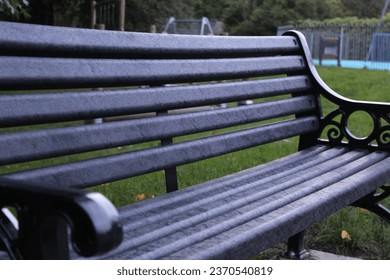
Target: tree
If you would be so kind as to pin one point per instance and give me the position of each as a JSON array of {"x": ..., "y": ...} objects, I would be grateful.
[
  {"x": 13, "y": 9},
  {"x": 266, "y": 15},
  {"x": 210, "y": 9},
  {"x": 361, "y": 8},
  {"x": 60, "y": 12}
]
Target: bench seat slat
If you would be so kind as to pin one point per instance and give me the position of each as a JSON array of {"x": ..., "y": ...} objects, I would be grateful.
[
  {"x": 39, "y": 73},
  {"x": 56, "y": 41},
  {"x": 261, "y": 177},
  {"x": 205, "y": 227},
  {"x": 251, "y": 174},
  {"x": 71, "y": 140},
  {"x": 100, "y": 170},
  {"x": 50, "y": 107}
]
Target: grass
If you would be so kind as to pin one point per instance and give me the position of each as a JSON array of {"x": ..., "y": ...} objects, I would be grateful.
[
  {"x": 369, "y": 236},
  {"x": 361, "y": 84}
]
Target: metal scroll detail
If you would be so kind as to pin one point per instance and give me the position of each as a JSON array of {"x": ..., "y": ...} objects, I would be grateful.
[{"x": 335, "y": 127}]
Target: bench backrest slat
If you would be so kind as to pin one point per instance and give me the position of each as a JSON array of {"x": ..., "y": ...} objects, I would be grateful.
[
  {"x": 30, "y": 73},
  {"x": 62, "y": 141},
  {"x": 92, "y": 172},
  {"x": 28, "y": 40}
]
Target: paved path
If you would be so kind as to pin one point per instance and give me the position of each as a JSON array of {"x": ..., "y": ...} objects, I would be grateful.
[{"x": 318, "y": 255}]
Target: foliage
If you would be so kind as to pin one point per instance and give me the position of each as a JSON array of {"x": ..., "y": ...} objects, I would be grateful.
[
  {"x": 360, "y": 8},
  {"x": 13, "y": 9},
  {"x": 344, "y": 21},
  {"x": 266, "y": 17}
]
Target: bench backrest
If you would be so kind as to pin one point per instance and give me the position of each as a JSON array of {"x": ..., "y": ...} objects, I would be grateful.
[{"x": 53, "y": 78}]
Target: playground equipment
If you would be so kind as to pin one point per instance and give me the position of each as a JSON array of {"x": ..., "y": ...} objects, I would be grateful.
[{"x": 189, "y": 26}]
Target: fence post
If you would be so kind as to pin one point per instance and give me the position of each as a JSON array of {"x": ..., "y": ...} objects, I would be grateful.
[
  {"x": 341, "y": 45},
  {"x": 93, "y": 14},
  {"x": 122, "y": 12}
]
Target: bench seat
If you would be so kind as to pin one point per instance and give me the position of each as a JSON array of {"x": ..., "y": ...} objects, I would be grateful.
[{"x": 273, "y": 201}]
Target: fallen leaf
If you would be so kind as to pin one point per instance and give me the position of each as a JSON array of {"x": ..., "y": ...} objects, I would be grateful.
[
  {"x": 345, "y": 235},
  {"x": 362, "y": 210},
  {"x": 140, "y": 197}
]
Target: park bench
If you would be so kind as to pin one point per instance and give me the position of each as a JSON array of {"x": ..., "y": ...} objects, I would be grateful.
[{"x": 54, "y": 80}]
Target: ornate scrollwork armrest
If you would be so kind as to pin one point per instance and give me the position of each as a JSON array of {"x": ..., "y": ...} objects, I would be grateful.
[
  {"x": 336, "y": 125},
  {"x": 46, "y": 216}
]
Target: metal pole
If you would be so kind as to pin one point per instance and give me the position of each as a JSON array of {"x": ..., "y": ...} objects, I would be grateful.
[
  {"x": 341, "y": 39},
  {"x": 383, "y": 15},
  {"x": 93, "y": 14},
  {"x": 122, "y": 12}
]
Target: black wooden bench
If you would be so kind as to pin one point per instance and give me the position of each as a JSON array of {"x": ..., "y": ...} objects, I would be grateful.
[{"x": 47, "y": 77}]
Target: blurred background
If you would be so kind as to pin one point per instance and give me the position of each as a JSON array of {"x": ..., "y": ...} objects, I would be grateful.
[{"x": 243, "y": 17}]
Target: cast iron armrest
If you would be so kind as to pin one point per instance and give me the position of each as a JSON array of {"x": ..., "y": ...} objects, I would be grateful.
[
  {"x": 335, "y": 125},
  {"x": 45, "y": 216}
]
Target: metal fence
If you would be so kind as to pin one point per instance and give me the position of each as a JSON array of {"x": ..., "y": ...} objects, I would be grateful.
[{"x": 358, "y": 45}]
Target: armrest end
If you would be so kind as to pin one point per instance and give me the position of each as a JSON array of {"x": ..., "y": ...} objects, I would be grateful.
[{"x": 94, "y": 222}]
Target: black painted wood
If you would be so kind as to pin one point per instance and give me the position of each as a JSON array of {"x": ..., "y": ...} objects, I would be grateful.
[
  {"x": 34, "y": 40},
  {"x": 43, "y": 72}
]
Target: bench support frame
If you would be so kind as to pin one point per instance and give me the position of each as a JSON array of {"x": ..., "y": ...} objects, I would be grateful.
[
  {"x": 371, "y": 203},
  {"x": 296, "y": 247}
]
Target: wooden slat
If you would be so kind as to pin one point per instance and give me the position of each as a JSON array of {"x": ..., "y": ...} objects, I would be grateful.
[
  {"x": 70, "y": 140},
  {"x": 212, "y": 191},
  {"x": 100, "y": 170},
  {"x": 39, "y": 73},
  {"x": 51, "y": 107},
  {"x": 40, "y": 40},
  {"x": 217, "y": 185}
]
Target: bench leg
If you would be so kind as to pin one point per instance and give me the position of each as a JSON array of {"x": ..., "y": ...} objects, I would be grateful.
[
  {"x": 47, "y": 238},
  {"x": 8, "y": 236},
  {"x": 171, "y": 181},
  {"x": 295, "y": 247},
  {"x": 371, "y": 203}
]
